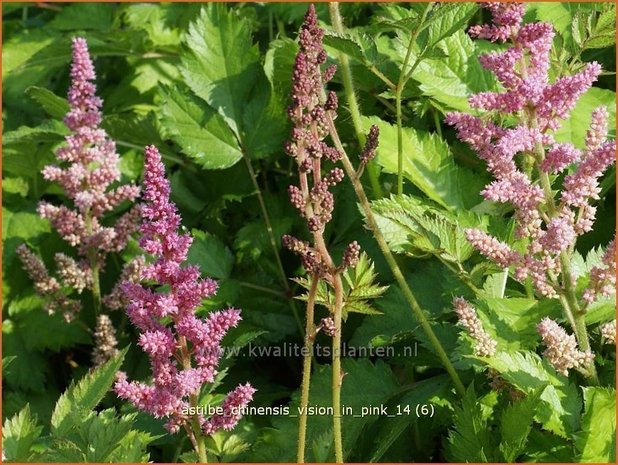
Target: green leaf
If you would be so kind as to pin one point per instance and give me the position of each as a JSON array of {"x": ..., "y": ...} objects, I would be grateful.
[
  {"x": 470, "y": 439},
  {"x": 358, "y": 289},
  {"x": 54, "y": 106},
  {"x": 221, "y": 65},
  {"x": 355, "y": 44},
  {"x": 47, "y": 131},
  {"x": 15, "y": 186},
  {"x": 81, "y": 397},
  {"x": 84, "y": 16},
  {"x": 449, "y": 80},
  {"x": 19, "y": 435},
  {"x": 427, "y": 163},
  {"x": 560, "y": 404},
  {"x": 418, "y": 229},
  {"x": 574, "y": 129},
  {"x": 265, "y": 122},
  {"x": 445, "y": 20},
  {"x": 211, "y": 254},
  {"x": 200, "y": 131},
  {"x": 516, "y": 424},
  {"x": 279, "y": 64},
  {"x": 423, "y": 392},
  {"x": 596, "y": 442},
  {"x": 23, "y": 225}
]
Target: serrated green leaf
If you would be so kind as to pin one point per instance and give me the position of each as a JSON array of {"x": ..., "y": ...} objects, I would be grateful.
[
  {"x": 470, "y": 440},
  {"x": 211, "y": 255},
  {"x": 83, "y": 396},
  {"x": 221, "y": 65},
  {"x": 48, "y": 131},
  {"x": 427, "y": 163},
  {"x": 199, "y": 130},
  {"x": 23, "y": 225},
  {"x": 560, "y": 404},
  {"x": 596, "y": 442},
  {"x": 449, "y": 80},
  {"x": 55, "y": 106},
  {"x": 445, "y": 20},
  {"x": 418, "y": 229},
  {"x": 516, "y": 424},
  {"x": 19, "y": 435}
]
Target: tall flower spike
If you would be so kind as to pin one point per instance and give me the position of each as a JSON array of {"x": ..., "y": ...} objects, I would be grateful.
[
  {"x": 562, "y": 351},
  {"x": 91, "y": 167},
  {"x": 177, "y": 372},
  {"x": 539, "y": 105},
  {"x": 485, "y": 344}
]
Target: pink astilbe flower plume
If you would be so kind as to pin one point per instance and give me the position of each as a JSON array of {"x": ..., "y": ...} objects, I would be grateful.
[
  {"x": 522, "y": 157},
  {"x": 549, "y": 226},
  {"x": 561, "y": 348},
  {"x": 184, "y": 352},
  {"x": 88, "y": 173},
  {"x": 91, "y": 168},
  {"x": 485, "y": 345}
]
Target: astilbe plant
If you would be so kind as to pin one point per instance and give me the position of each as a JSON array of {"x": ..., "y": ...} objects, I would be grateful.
[
  {"x": 88, "y": 174},
  {"x": 315, "y": 203},
  {"x": 184, "y": 350},
  {"x": 526, "y": 162}
]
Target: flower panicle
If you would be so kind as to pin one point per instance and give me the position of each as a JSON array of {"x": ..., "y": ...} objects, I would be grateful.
[
  {"x": 523, "y": 71},
  {"x": 167, "y": 320},
  {"x": 485, "y": 345},
  {"x": 561, "y": 348},
  {"x": 88, "y": 169}
]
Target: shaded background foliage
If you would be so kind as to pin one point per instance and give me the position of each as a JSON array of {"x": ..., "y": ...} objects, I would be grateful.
[{"x": 222, "y": 144}]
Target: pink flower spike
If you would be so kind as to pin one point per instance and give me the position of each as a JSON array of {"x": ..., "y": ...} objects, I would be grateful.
[{"x": 184, "y": 350}]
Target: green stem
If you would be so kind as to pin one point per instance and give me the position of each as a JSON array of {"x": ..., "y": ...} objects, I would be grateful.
[
  {"x": 307, "y": 360},
  {"x": 404, "y": 76},
  {"x": 93, "y": 263},
  {"x": 567, "y": 293},
  {"x": 273, "y": 241},
  {"x": 337, "y": 375},
  {"x": 392, "y": 263},
  {"x": 348, "y": 87},
  {"x": 200, "y": 443}
]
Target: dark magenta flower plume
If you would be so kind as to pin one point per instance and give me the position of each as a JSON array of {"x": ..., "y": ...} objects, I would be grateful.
[{"x": 184, "y": 350}]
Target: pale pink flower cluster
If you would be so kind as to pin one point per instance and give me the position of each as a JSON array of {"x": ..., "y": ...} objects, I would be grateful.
[
  {"x": 608, "y": 332},
  {"x": 603, "y": 278},
  {"x": 506, "y": 19},
  {"x": 561, "y": 348},
  {"x": 90, "y": 168},
  {"x": 184, "y": 350},
  {"x": 485, "y": 345},
  {"x": 522, "y": 70}
]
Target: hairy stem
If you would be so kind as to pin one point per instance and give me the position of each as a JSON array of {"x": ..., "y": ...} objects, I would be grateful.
[
  {"x": 568, "y": 295},
  {"x": 196, "y": 429},
  {"x": 93, "y": 263},
  {"x": 348, "y": 87},
  {"x": 273, "y": 241},
  {"x": 392, "y": 263},
  {"x": 307, "y": 360},
  {"x": 404, "y": 76},
  {"x": 337, "y": 375}
]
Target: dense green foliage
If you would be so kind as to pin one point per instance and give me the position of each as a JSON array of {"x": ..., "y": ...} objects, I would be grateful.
[{"x": 209, "y": 85}]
